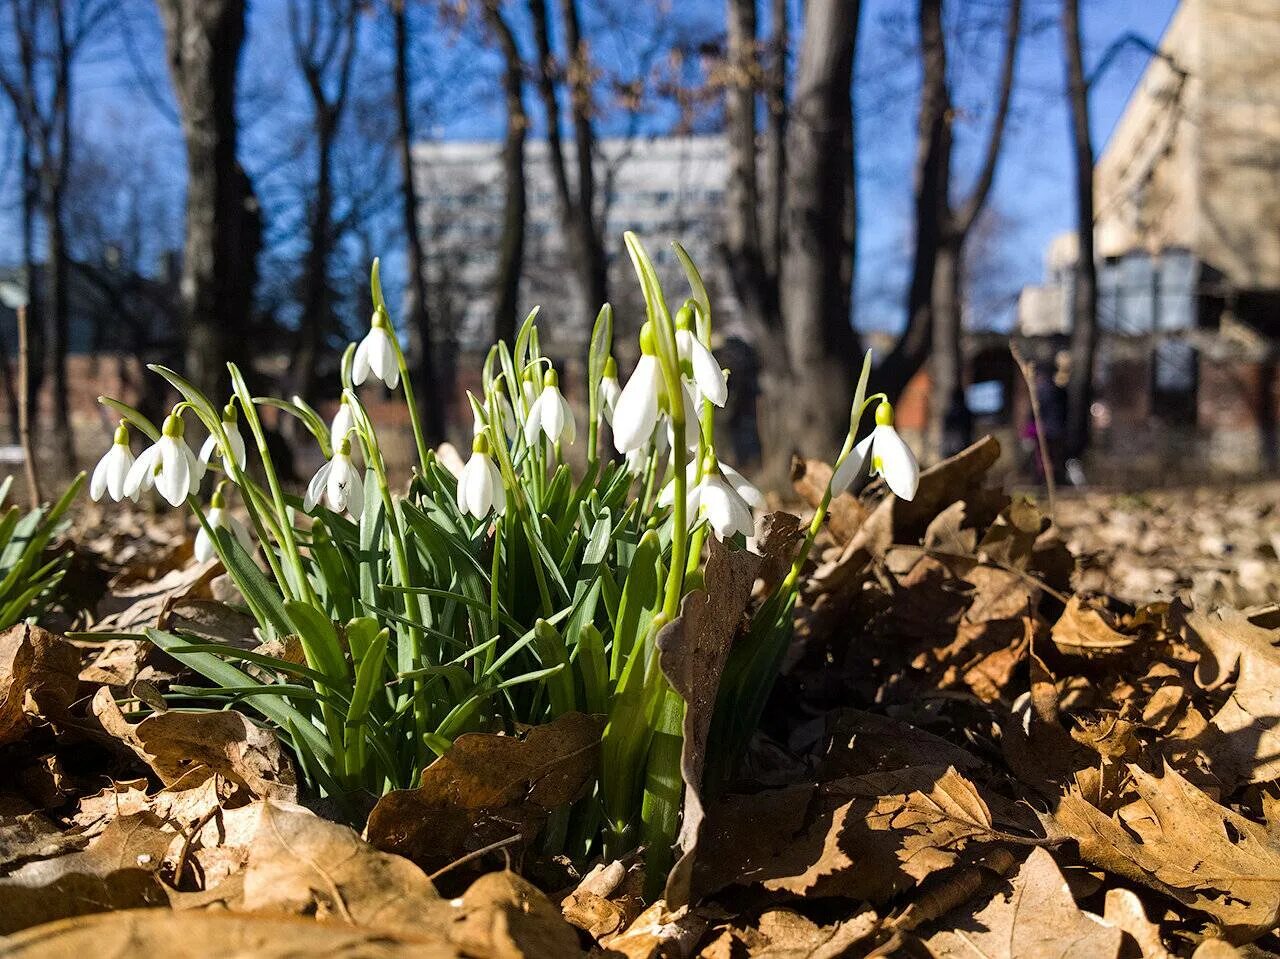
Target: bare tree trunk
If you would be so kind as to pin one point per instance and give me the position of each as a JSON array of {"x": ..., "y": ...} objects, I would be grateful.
[
  {"x": 821, "y": 345},
  {"x": 743, "y": 247},
  {"x": 54, "y": 175},
  {"x": 775, "y": 153},
  {"x": 324, "y": 43},
  {"x": 584, "y": 140},
  {"x": 1084, "y": 302},
  {"x": 224, "y": 230},
  {"x": 577, "y": 214},
  {"x": 515, "y": 206},
  {"x": 435, "y": 390},
  {"x": 932, "y": 169}
]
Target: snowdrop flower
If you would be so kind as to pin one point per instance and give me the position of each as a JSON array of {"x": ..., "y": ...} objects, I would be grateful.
[
  {"x": 343, "y": 423},
  {"x": 234, "y": 440},
  {"x": 480, "y": 485},
  {"x": 725, "y": 509},
  {"x": 168, "y": 465},
  {"x": 890, "y": 457},
  {"x": 219, "y": 517},
  {"x": 376, "y": 354},
  {"x": 550, "y": 413},
  {"x": 338, "y": 482},
  {"x": 741, "y": 485},
  {"x": 636, "y": 412},
  {"x": 708, "y": 377},
  {"x": 610, "y": 390},
  {"x": 110, "y": 474}
]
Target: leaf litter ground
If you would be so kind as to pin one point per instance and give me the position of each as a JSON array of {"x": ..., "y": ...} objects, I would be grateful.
[{"x": 993, "y": 736}]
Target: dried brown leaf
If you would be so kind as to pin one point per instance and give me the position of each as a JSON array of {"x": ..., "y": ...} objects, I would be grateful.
[
  {"x": 1036, "y": 918},
  {"x": 1179, "y": 841},
  {"x": 503, "y": 916},
  {"x": 203, "y": 935},
  {"x": 38, "y": 679},
  {"x": 692, "y": 651},
  {"x": 487, "y": 788}
]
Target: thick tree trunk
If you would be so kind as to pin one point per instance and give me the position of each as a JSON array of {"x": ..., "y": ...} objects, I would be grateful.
[
  {"x": 775, "y": 153},
  {"x": 55, "y": 302},
  {"x": 435, "y": 389},
  {"x": 950, "y": 426},
  {"x": 595, "y": 267},
  {"x": 1084, "y": 302},
  {"x": 577, "y": 215},
  {"x": 224, "y": 230},
  {"x": 743, "y": 241},
  {"x": 931, "y": 182},
  {"x": 515, "y": 205},
  {"x": 821, "y": 345}
]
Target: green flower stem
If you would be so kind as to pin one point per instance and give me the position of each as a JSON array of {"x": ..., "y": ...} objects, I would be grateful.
[
  {"x": 415, "y": 418},
  {"x": 288, "y": 543},
  {"x": 400, "y": 562}
]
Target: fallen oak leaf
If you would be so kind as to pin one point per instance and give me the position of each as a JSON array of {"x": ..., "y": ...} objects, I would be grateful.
[
  {"x": 487, "y": 787},
  {"x": 1229, "y": 643},
  {"x": 1088, "y": 629},
  {"x": 503, "y": 916},
  {"x": 117, "y": 871},
  {"x": 1180, "y": 842},
  {"x": 1037, "y": 917},
  {"x": 38, "y": 679},
  {"x": 188, "y": 746},
  {"x": 215, "y": 935}
]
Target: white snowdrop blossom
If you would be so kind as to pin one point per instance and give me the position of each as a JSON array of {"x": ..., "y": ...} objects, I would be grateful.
[
  {"x": 724, "y": 508},
  {"x": 550, "y": 414},
  {"x": 636, "y": 412},
  {"x": 708, "y": 377},
  {"x": 480, "y": 485},
  {"x": 112, "y": 471},
  {"x": 610, "y": 390},
  {"x": 741, "y": 485},
  {"x": 376, "y": 354},
  {"x": 235, "y": 442},
  {"x": 169, "y": 465},
  {"x": 890, "y": 458},
  {"x": 219, "y": 517},
  {"x": 343, "y": 423},
  {"x": 338, "y": 482}
]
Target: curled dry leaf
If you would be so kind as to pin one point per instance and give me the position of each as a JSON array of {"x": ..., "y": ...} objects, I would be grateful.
[
  {"x": 1089, "y": 629},
  {"x": 1036, "y": 917},
  {"x": 38, "y": 679},
  {"x": 862, "y": 837},
  {"x": 487, "y": 788},
  {"x": 692, "y": 651},
  {"x": 215, "y": 935},
  {"x": 1175, "y": 839},
  {"x": 117, "y": 871},
  {"x": 503, "y": 916},
  {"x": 1124, "y": 911},
  {"x": 187, "y": 746},
  {"x": 1230, "y": 644}
]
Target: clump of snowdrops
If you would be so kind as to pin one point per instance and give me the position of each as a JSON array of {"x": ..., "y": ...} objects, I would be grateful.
[{"x": 511, "y": 593}]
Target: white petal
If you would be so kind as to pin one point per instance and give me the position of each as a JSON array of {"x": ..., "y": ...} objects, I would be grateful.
[
  {"x": 499, "y": 494},
  {"x": 142, "y": 473},
  {"x": 533, "y": 422},
  {"x": 692, "y": 425},
  {"x": 461, "y": 497},
  {"x": 895, "y": 462},
  {"x": 118, "y": 472},
  {"x": 569, "y": 432},
  {"x": 317, "y": 486},
  {"x": 610, "y": 390},
  {"x": 360, "y": 364},
  {"x": 743, "y": 487},
  {"x": 98, "y": 482},
  {"x": 847, "y": 471},
  {"x": 342, "y": 423},
  {"x": 174, "y": 479},
  {"x": 204, "y": 546},
  {"x": 636, "y": 412},
  {"x": 553, "y": 422},
  {"x": 236, "y": 442},
  {"x": 355, "y": 493},
  {"x": 708, "y": 374},
  {"x": 206, "y": 451},
  {"x": 725, "y": 510},
  {"x": 197, "y": 469},
  {"x": 479, "y": 487}
]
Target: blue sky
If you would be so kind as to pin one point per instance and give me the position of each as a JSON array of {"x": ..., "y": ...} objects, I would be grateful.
[{"x": 1030, "y": 203}]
